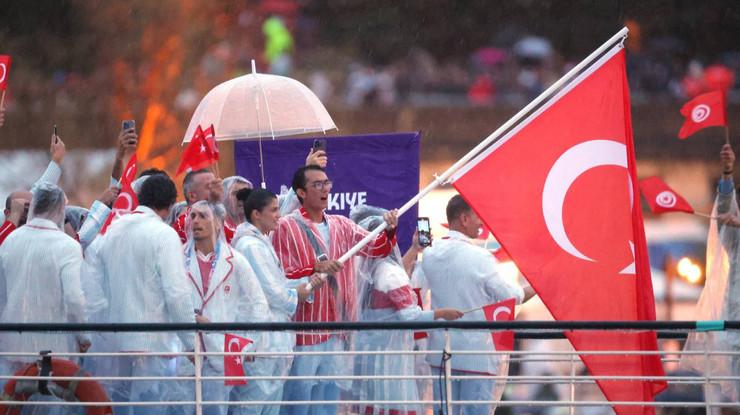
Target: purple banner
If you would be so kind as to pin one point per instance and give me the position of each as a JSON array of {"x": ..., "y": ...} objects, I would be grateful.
[{"x": 374, "y": 169}]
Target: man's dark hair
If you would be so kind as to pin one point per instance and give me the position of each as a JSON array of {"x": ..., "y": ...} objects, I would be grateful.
[
  {"x": 152, "y": 171},
  {"x": 456, "y": 207},
  {"x": 254, "y": 199},
  {"x": 158, "y": 192},
  {"x": 187, "y": 182},
  {"x": 299, "y": 178}
]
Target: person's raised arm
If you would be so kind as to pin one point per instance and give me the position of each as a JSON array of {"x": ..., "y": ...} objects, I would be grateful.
[
  {"x": 53, "y": 172},
  {"x": 126, "y": 147}
]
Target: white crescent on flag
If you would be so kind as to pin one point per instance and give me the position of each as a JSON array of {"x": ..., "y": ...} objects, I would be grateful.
[
  {"x": 501, "y": 309},
  {"x": 4, "y": 72},
  {"x": 567, "y": 168}
]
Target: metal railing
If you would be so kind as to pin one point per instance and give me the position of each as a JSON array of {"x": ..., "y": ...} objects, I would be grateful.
[{"x": 570, "y": 381}]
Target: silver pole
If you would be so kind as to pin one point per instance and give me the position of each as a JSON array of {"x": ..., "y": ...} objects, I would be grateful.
[
  {"x": 572, "y": 383},
  {"x": 198, "y": 368},
  {"x": 448, "y": 374}
]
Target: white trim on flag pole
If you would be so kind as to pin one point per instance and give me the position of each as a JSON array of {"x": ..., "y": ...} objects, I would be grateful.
[
  {"x": 544, "y": 96},
  {"x": 567, "y": 88}
]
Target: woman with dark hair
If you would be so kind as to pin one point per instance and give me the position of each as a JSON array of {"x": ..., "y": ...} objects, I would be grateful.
[{"x": 283, "y": 295}]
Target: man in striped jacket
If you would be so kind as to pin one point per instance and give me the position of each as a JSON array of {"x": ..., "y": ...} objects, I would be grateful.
[{"x": 309, "y": 241}]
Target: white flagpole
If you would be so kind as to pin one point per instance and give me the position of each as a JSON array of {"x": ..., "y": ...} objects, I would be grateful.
[{"x": 439, "y": 180}]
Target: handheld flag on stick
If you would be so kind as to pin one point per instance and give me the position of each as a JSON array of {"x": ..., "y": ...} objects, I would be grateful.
[
  {"x": 706, "y": 110},
  {"x": 661, "y": 198},
  {"x": 233, "y": 364},
  {"x": 502, "y": 311},
  {"x": 197, "y": 154}
]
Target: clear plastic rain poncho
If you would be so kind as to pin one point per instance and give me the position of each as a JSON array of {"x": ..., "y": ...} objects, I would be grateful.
[
  {"x": 234, "y": 210},
  {"x": 720, "y": 300},
  {"x": 40, "y": 277},
  {"x": 283, "y": 301},
  {"x": 75, "y": 216},
  {"x": 229, "y": 292},
  {"x": 385, "y": 294}
]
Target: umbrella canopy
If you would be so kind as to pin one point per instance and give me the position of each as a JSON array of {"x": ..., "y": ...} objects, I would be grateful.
[{"x": 258, "y": 106}]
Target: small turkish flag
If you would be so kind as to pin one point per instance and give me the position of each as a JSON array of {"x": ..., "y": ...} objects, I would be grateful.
[
  {"x": 502, "y": 311},
  {"x": 210, "y": 136},
  {"x": 706, "y": 110},
  {"x": 233, "y": 364},
  {"x": 197, "y": 154},
  {"x": 126, "y": 201},
  {"x": 4, "y": 70},
  {"x": 662, "y": 198}
]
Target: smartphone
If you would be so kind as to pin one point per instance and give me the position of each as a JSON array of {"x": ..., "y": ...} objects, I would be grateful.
[
  {"x": 425, "y": 231},
  {"x": 322, "y": 257},
  {"x": 319, "y": 144},
  {"x": 128, "y": 125}
]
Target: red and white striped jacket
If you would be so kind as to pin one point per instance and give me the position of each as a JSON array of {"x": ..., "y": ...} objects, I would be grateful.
[{"x": 298, "y": 258}]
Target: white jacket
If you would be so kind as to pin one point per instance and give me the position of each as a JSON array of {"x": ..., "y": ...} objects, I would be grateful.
[
  {"x": 40, "y": 283},
  {"x": 139, "y": 276},
  {"x": 234, "y": 295},
  {"x": 463, "y": 276}
]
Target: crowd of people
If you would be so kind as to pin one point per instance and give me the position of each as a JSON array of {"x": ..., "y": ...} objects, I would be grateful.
[{"x": 233, "y": 253}]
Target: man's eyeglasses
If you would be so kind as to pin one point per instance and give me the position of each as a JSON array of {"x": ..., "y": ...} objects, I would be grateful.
[{"x": 321, "y": 185}]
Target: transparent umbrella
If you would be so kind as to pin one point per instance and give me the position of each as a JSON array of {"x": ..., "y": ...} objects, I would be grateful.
[{"x": 257, "y": 106}]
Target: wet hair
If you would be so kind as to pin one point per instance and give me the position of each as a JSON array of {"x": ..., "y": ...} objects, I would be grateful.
[
  {"x": 456, "y": 207},
  {"x": 217, "y": 209},
  {"x": 48, "y": 202},
  {"x": 254, "y": 199},
  {"x": 187, "y": 182},
  {"x": 152, "y": 171},
  {"x": 299, "y": 178},
  {"x": 158, "y": 192}
]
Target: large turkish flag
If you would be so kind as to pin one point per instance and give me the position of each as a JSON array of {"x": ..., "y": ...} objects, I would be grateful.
[{"x": 559, "y": 193}]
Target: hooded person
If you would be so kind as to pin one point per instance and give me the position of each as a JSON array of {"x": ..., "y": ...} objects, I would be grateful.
[
  {"x": 232, "y": 205},
  {"x": 138, "y": 276},
  {"x": 260, "y": 208},
  {"x": 720, "y": 297},
  {"x": 40, "y": 280},
  {"x": 74, "y": 217},
  {"x": 385, "y": 294},
  {"x": 223, "y": 289}
]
